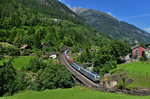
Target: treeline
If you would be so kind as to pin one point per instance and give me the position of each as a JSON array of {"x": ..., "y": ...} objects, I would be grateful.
[
  {"x": 37, "y": 75},
  {"x": 8, "y": 51}
]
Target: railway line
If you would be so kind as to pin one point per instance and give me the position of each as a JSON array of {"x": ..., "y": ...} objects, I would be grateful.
[{"x": 78, "y": 75}]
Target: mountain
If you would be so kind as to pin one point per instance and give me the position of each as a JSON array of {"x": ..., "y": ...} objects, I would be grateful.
[
  {"x": 32, "y": 22},
  {"x": 107, "y": 24},
  {"x": 52, "y": 8}
]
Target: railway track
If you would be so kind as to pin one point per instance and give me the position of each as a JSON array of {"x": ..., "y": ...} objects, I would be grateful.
[{"x": 78, "y": 75}]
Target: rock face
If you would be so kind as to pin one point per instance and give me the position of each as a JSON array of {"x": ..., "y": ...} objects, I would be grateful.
[{"x": 110, "y": 26}]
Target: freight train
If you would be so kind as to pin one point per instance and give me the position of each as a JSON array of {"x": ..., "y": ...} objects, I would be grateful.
[{"x": 91, "y": 75}]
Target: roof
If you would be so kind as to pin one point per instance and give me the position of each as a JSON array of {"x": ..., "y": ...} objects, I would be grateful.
[
  {"x": 24, "y": 46},
  {"x": 52, "y": 53},
  {"x": 146, "y": 49},
  {"x": 43, "y": 44},
  {"x": 133, "y": 47},
  {"x": 148, "y": 44}
]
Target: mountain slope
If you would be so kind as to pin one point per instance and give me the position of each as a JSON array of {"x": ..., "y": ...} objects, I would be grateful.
[
  {"x": 109, "y": 25},
  {"x": 31, "y": 22}
]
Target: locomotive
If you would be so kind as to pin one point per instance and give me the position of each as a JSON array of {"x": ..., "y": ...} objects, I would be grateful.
[{"x": 89, "y": 74}]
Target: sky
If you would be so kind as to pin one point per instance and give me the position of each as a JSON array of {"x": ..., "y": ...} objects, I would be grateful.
[{"x": 136, "y": 12}]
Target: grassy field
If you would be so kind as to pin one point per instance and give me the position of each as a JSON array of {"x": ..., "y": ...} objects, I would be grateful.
[
  {"x": 136, "y": 67},
  {"x": 18, "y": 62},
  {"x": 5, "y": 44},
  {"x": 73, "y": 93},
  {"x": 138, "y": 71}
]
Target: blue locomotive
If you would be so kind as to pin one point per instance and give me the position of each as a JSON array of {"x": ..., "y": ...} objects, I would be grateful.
[{"x": 92, "y": 76}]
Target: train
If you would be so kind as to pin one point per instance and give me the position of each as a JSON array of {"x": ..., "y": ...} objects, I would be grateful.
[{"x": 89, "y": 74}]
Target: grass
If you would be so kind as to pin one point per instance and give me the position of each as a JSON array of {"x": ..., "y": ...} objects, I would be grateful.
[
  {"x": 5, "y": 44},
  {"x": 136, "y": 67},
  {"x": 138, "y": 71},
  {"x": 72, "y": 93},
  {"x": 18, "y": 62}
]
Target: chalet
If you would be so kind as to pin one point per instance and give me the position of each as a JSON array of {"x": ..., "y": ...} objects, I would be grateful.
[
  {"x": 147, "y": 54},
  {"x": 53, "y": 55},
  {"x": 43, "y": 45},
  {"x": 25, "y": 47},
  {"x": 92, "y": 50},
  {"x": 137, "y": 51}
]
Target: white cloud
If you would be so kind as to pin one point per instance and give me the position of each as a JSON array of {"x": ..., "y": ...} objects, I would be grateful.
[
  {"x": 66, "y": 2},
  {"x": 138, "y": 16},
  {"x": 109, "y": 13},
  {"x": 147, "y": 29}
]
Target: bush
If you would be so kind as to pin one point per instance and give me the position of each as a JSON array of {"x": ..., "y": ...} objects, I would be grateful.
[
  {"x": 35, "y": 64},
  {"x": 142, "y": 58},
  {"x": 7, "y": 77},
  {"x": 53, "y": 76}
]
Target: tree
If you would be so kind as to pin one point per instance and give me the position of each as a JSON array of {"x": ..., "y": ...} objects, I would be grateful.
[
  {"x": 18, "y": 41},
  {"x": 37, "y": 41},
  {"x": 120, "y": 49},
  {"x": 21, "y": 82},
  {"x": 7, "y": 77},
  {"x": 2, "y": 51},
  {"x": 53, "y": 76},
  {"x": 35, "y": 64},
  {"x": 18, "y": 22}
]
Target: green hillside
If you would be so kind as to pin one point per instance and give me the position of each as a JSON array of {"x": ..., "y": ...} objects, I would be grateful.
[
  {"x": 138, "y": 71},
  {"x": 32, "y": 22},
  {"x": 73, "y": 93}
]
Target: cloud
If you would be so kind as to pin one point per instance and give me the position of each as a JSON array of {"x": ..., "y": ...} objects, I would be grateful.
[
  {"x": 147, "y": 29},
  {"x": 138, "y": 16},
  {"x": 66, "y": 2},
  {"x": 109, "y": 13}
]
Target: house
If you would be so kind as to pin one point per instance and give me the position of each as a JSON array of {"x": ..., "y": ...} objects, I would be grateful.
[
  {"x": 43, "y": 45},
  {"x": 147, "y": 45},
  {"x": 25, "y": 47},
  {"x": 147, "y": 54},
  {"x": 53, "y": 55},
  {"x": 92, "y": 50},
  {"x": 137, "y": 51}
]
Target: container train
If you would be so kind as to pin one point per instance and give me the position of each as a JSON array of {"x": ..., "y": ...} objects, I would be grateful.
[{"x": 92, "y": 76}]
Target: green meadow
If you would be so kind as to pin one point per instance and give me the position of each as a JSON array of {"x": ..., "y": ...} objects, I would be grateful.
[
  {"x": 136, "y": 67},
  {"x": 18, "y": 62},
  {"x": 138, "y": 71},
  {"x": 72, "y": 93}
]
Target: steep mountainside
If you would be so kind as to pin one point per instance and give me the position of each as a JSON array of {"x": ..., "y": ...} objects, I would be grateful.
[
  {"x": 112, "y": 27},
  {"x": 33, "y": 22}
]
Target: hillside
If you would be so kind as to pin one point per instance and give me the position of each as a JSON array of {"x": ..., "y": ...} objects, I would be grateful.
[
  {"x": 32, "y": 22},
  {"x": 109, "y": 25},
  {"x": 73, "y": 93},
  {"x": 138, "y": 71}
]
